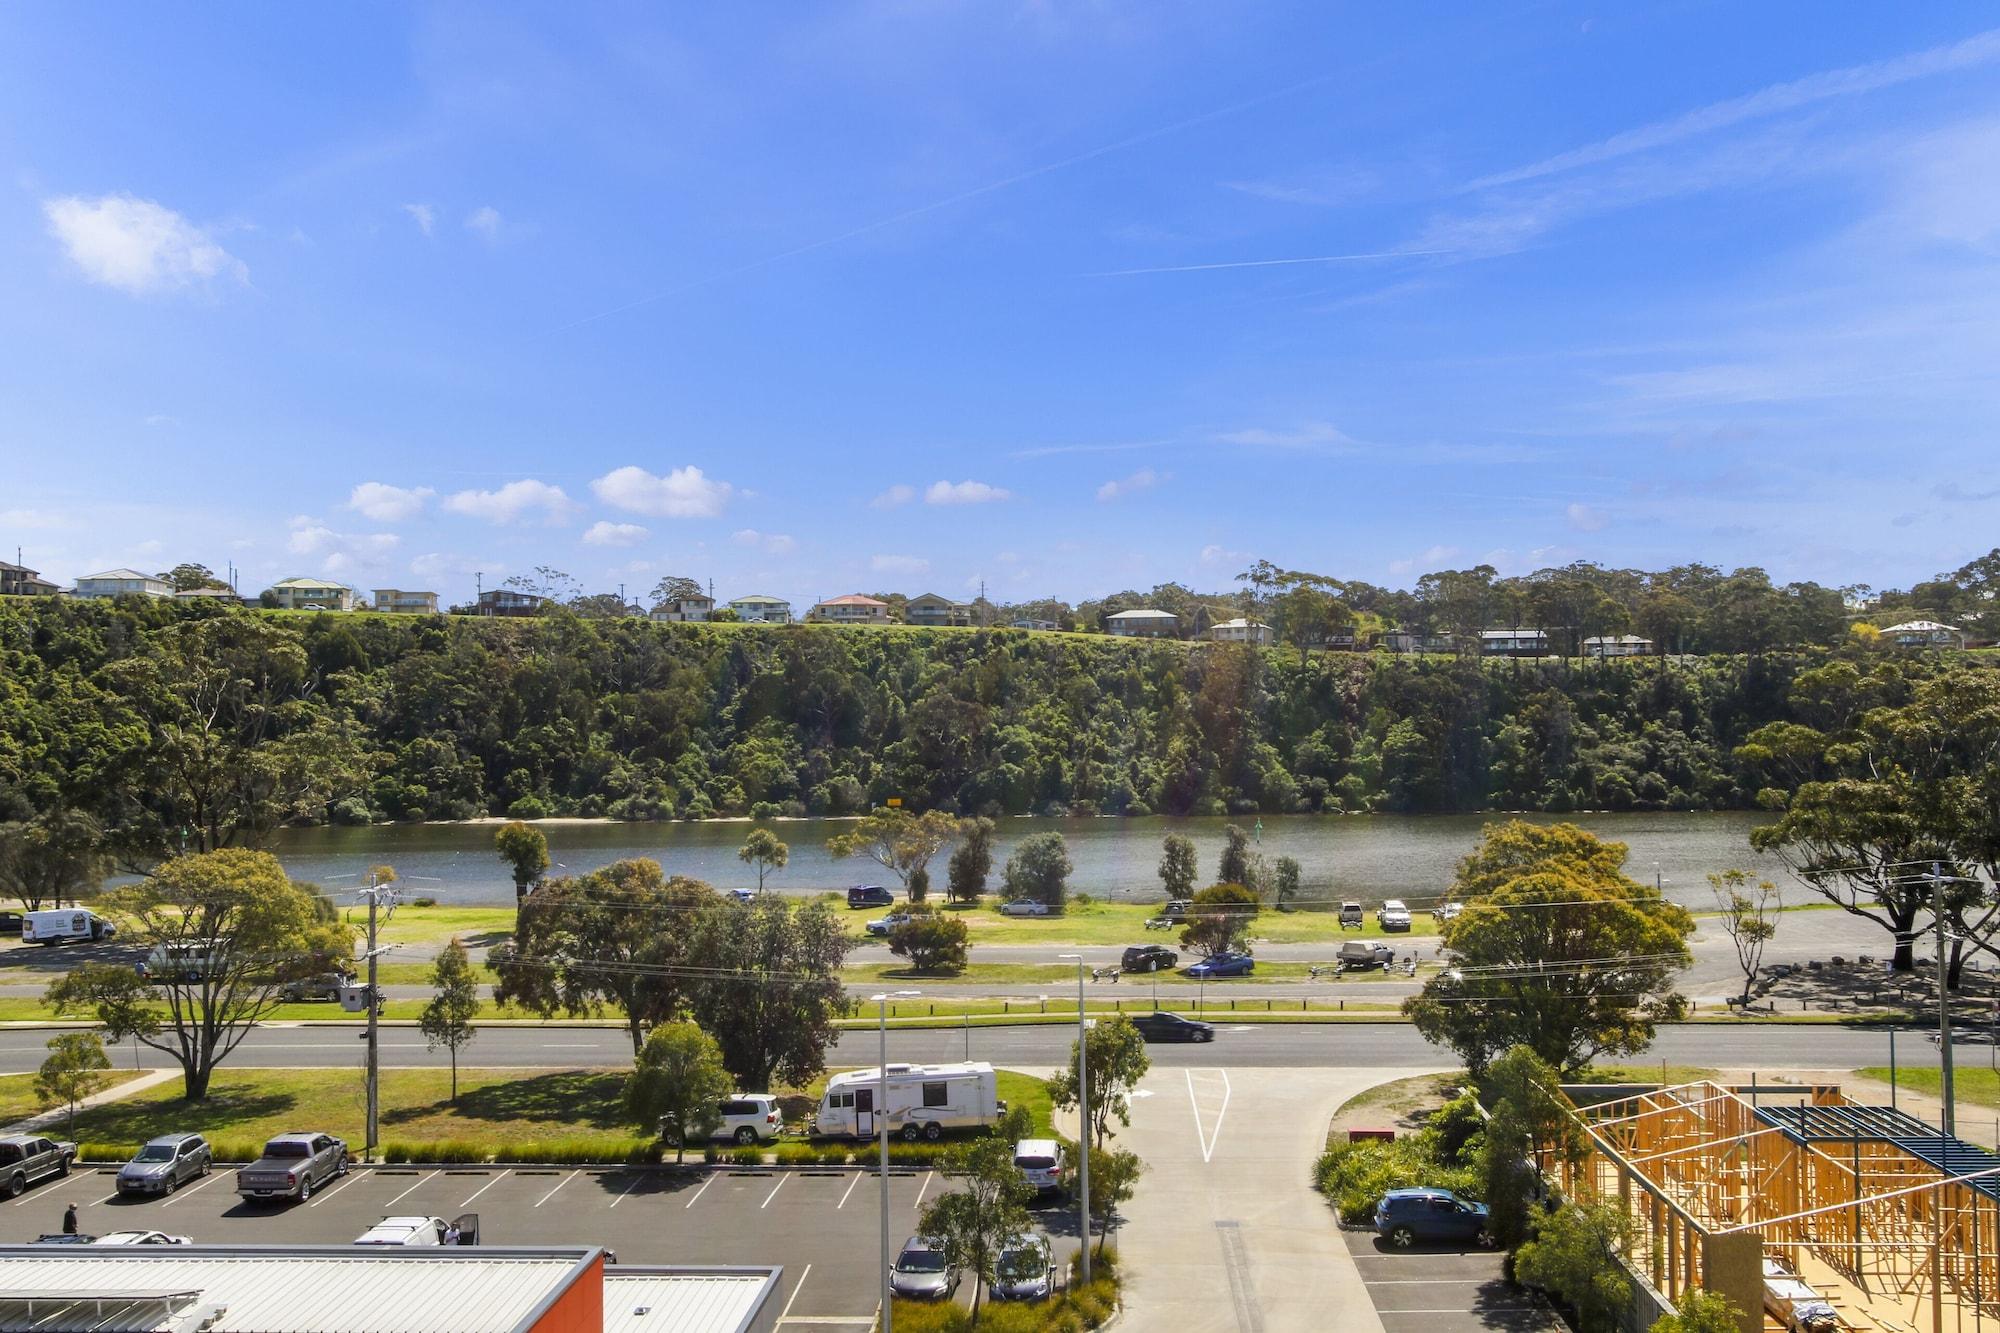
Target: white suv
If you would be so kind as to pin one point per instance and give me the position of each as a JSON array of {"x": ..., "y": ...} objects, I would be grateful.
[
  {"x": 1394, "y": 915},
  {"x": 749, "y": 1117},
  {"x": 1040, "y": 1162}
]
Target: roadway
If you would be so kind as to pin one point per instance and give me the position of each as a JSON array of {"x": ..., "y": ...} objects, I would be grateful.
[{"x": 1384, "y": 1046}]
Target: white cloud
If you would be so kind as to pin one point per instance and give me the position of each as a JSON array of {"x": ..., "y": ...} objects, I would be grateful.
[
  {"x": 899, "y": 564},
  {"x": 485, "y": 221},
  {"x": 1325, "y": 188},
  {"x": 1310, "y": 435},
  {"x": 136, "y": 245},
  {"x": 424, "y": 215},
  {"x": 436, "y": 566},
  {"x": 774, "y": 543},
  {"x": 1222, "y": 555},
  {"x": 29, "y": 518},
  {"x": 898, "y": 494},
  {"x": 1142, "y": 480},
  {"x": 337, "y": 552},
  {"x": 512, "y": 501},
  {"x": 682, "y": 493},
  {"x": 388, "y": 504},
  {"x": 1430, "y": 560},
  {"x": 1586, "y": 519},
  {"x": 964, "y": 493},
  {"x": 602, "y": 533}
]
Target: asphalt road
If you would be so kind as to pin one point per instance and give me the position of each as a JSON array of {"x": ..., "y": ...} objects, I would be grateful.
[{"x": 1237, "y": 1046}]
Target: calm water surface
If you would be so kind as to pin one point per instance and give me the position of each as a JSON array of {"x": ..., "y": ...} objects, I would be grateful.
[{"x": 1363, "y": 856}]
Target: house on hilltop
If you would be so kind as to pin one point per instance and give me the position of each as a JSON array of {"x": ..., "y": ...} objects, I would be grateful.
[
  {"x": 20, "y": 581},
  {"x": 312, "y": 595},
  {"x": 508, "y": 602},
  {"x": 931, "y": 609},
  {"x": 853, "y": 609},
  {"x": 1253, "y": 632},
  {"x": 123, "y": 583},
  {"x": 757, "y": 609},
  {"x": 1925, "y": 634},
  {"x": 689, "y": 609},
  {"x": 403, "y": 602},
  {"x": 1143, "y": 624}
]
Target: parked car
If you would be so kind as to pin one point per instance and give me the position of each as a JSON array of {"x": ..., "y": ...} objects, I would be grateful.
[
  {"x": 25, "y": 1159},
  {"x": 1223, "y": 965},
  {"x": 1159, "y": 1026},
  {"x": 870, "y": 895},
  {"x": 749, "y": 1117},
  {"x": 141, "y": 1238},
  {"x": 293, "y": 1166},
  {"x": 1444, "y": 912},
  {"x": 1025, "y": 1270},
  {"x": 920, "y": 1272},
  {"x": 1351, "y": 916},
  {"x": 1357, "y": 955},
  {"x": 1393, "y": 915},
  {"x": 10, "y": 921},
  {"x": 432, "y": 1231},
  {"x": 165, "y": 1164},
  {"x": 65, "y": 1238},
  {"x": 1148, "y": 958},
  {"x": 1040, "y": 1162},
  {"x": 884, "y": 925},
  {"x": 319, "y": 986},
  {"x": 54, "y": 927},
  {"x": 744, "y": 895},
  {"x": 1026, "y": 907},
  {"x": 1177, "y": 909},
  {"x": 1431, "y": 1216}
]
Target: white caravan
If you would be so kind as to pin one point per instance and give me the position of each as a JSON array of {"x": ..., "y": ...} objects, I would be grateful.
[{"x": 920, "y": 1101}]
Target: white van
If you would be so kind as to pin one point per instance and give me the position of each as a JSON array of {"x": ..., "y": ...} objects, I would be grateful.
[
  {"x": 920, "y": 1101},
  {"x": 74, "y": 923}
]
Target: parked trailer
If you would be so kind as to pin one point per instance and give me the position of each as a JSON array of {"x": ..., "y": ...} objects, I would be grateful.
[{"x": 919, "y": 1101}]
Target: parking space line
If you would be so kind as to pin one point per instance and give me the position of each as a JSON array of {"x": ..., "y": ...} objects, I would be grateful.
[
  {"x": 703, "y": 1190},
  {"x": 559, "y": 1184},
  {"x": 196, "y": 1190},
  {"x": 923, "y": 1189},
  {"x": 849, "y": 1190},
  {"x": 1207, "y": 1140},
  {"x": 774, "y": 1190},
  {"x": 787, "y": 1311},
  {"x": 636, "y": 1178},
  {"x": 319, "y": 1199},
  {"x": 99, "y": 1203},
  {"x": 399, "y": 1198},
  {"x": 483, "y": 1188}
]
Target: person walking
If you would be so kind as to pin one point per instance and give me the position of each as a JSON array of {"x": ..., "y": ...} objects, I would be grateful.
[{"x": 69, "y": 1221}]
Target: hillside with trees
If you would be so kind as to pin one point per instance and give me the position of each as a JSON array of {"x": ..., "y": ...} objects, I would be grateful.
[{"x": 202, "y": 726}]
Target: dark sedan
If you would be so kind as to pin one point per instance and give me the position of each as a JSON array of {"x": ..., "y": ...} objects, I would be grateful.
[
  {"x": 1148, "y": 958},
  {"x": 1172, "y": 1027}
]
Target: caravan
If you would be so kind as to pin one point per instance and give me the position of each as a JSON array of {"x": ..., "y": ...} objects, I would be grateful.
[{"x": 920, "y": 1101}]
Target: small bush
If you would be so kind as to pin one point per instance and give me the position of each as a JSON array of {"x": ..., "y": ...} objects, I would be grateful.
[
  {"x": 1355, "y": 1176},
  {"x": 423, "y": 902},
  {"x": 106, "y": 1152}
]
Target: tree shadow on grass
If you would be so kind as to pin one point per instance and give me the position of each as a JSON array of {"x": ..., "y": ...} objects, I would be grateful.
[
  {"x": 139, "y": 1119},
  {"x": 575, "y": 1097}
]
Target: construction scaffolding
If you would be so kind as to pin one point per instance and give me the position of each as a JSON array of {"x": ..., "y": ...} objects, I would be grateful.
[{"x": 1763, "y": 1192}]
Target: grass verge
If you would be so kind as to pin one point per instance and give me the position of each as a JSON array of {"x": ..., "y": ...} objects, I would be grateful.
[
  {"x": 19, "y": 1100},
  {"x": 1969, "y": 1083}
]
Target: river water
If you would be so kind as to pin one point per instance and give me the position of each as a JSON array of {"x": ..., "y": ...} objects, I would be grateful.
[{"x": 1369, "y": 857}]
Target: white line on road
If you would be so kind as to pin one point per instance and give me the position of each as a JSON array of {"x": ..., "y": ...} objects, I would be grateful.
[
  {"x": 559, "y": 1184},
  {"x": 786, "y": 1313},
  {"x": 184, "y": 1193},
  {"x": 636, "y": 1178},
  {"x": 318, "y": 1199},
  {"x": 923, "y": 1189},
  {"x": 774, "y": 1190},
  {"x": 849, "y": 1190},
  {"x": 1429, "y": 1281},
  {"x": 572, "y": 1046},
  {"x": 399, "y": 1198},
  {"x": 99, "y": 1203},
  {"x": 483, "y": 1188},
  {"x": 703, "y": 1190},
  {"x": 1208, "y": 1140}
]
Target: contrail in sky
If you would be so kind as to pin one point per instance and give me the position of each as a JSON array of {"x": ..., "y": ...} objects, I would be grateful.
[{"x": 1267, "y": 263}]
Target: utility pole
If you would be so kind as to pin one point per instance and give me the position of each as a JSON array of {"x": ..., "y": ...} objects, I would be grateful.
[
  {"x": 1944, "y": 1000},
  {"x": 1083, "y": 1122},
  {"x": 374, "y": 893}
]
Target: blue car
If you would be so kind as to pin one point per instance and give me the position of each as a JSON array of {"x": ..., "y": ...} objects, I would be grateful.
[
  {"x": 1224, "y": 965},
  {"x": 1408, "y": 1217}
]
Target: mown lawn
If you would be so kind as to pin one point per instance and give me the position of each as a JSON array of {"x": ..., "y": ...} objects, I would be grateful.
[
  {"x": 18, "y": 1099},
  {"x": 1969, "y": 1083},
  {"x": 1125, "y": 923}
]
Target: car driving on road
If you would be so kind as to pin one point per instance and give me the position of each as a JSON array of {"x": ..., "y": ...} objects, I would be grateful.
[
  {"x": 1148, "y": 958},
  {"x": 25, "y": 1159},
  {"x": 165, "y": 1164},
  {"x": 1172, "y": 1027},
  {"x": 293, "y": 1166},
  {"x": 1408, "y": 1217},
  {"x": 920, "y": 1272}
]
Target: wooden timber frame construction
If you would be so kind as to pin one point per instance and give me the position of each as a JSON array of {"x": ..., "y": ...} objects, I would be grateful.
[{"x": 1895, "y": 1225}]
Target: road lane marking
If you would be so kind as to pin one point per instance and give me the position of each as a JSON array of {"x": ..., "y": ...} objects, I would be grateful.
[
  {"x": 774, "y": 1190},
  {"x": 572, "y": 1045},
  {"x": 399, "y": 1198},
  {"x": 703, "y": 1190},
  {"x": 636, "y": 1178},
  {"x": 559, "y": 1184},
  {"x": 318, "y": 1199},
  {"x": 850, "y": 1189},
  {"x": 787, "y": 1311},
  {"x": 1206, "y": 1139},
  {"x": 483, "y": 1188},
  {"x": 923, "y": 1189},
  {"x": 196, "y": 1190}
]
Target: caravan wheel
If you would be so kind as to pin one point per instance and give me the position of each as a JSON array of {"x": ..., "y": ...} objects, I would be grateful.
[
  {"x": 911, "y": 1133},
  {"x": 933, "y": 1131}
]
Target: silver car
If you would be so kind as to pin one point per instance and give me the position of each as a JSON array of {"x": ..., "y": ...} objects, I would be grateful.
[
  {"x": 920, "y": 1272},
  {"x": 165, "y": 1164},
  {"x": 1025, "y": 1270}
]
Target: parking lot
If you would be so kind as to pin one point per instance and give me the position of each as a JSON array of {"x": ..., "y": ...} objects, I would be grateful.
[
  {"x": 821, "y": 1226},
  {"x": 1434, "y": 1289}
]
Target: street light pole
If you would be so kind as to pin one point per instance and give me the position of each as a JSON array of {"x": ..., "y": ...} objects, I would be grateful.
[
  {"x": 1083, "y": 1124},
  {"x": 1944, "y": 1002},
  {"x": 882, "y": 1128}
]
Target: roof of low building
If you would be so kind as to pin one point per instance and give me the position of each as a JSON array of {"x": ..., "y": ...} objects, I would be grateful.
[
  {"x": 310, "y": 583},
  {"x": 1511, "y": 634},
  {"x": 1240, "y": 623},
  {"x": 852, "y": 599},
  {"x": 658, "y": 1300},
  {"x": 1616, "y": 638},
  {"x": 759, "y": 597},
  {"x": 120, "y": 574},
  {"x": 1142, "y": 614},
  {"x": 1921, "y": 627}
]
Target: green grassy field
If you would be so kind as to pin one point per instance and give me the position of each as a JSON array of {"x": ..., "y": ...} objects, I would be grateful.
[
  {"x": 1969, "y": 1084},
  {"x": 19, "y": 1100}
]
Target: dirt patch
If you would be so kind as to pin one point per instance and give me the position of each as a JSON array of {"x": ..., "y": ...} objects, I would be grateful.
[{"x": 1404, "y": 1105}]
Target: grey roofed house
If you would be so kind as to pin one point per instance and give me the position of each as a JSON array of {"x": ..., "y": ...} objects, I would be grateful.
[
  {"x": 123, "y": 582},
  {"x": 1144, "y": 623}
]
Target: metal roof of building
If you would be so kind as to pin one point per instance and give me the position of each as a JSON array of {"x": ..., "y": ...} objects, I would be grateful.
[
  {"x": 1884, "y": 1124},
  {"x": 1142, "y": 614},
  {"x": 659, "y": 1300},
  {"x": 302, "y": 1290}
]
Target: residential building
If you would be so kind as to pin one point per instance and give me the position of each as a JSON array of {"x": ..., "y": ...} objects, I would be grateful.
[
  {"x": 20, "y": 581},
  {"x": 853, "y": 609},
  {"x": 385, "y": 1288},
  {"x": 1033, "y": 624},
  {"x": 1415, "y": 641},
  {"x": 691, "y": 608},
  {"x": 1253, "y": 632},
  {"x": 201, "y": 594},
  {"x": 761, "y": 610},
  {"x": 931, "y": 609},
  {"x": 403, "y": 602},
  {"x": 1617, "y": 645},
  {"x": 1144, "y": 624},
  {"x": 312, "y": 595},
  {"x": 507, "y": 602},
  {"x": 1513, "y": 643},
  {"x": 1925, "y": 634},
  {"x": 123, "y": 583}
]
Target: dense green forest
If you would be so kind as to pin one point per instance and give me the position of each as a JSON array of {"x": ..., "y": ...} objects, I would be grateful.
[{"x": 201, "y": 725}]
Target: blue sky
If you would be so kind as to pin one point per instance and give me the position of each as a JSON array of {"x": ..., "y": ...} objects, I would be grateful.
[{"x": 1067, "y": 297}]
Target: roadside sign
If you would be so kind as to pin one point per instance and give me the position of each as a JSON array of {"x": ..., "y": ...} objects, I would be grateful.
[{"x": 893, "y": 802}]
